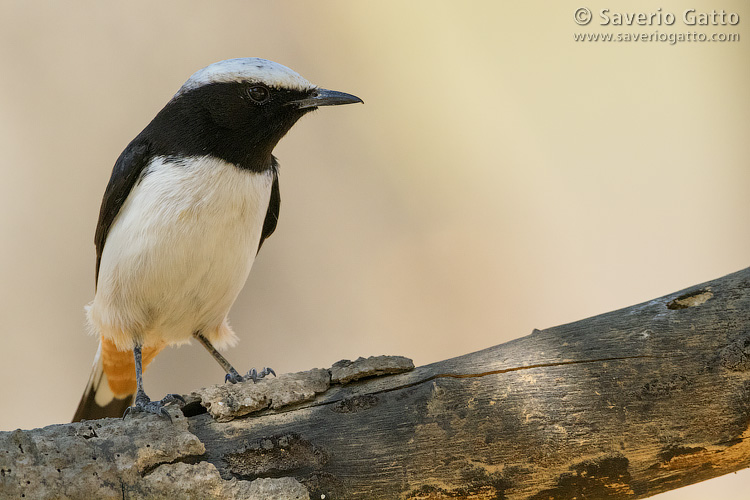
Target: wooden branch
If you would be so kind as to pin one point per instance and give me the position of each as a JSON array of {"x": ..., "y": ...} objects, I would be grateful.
[{"x": 623, "y": 405}]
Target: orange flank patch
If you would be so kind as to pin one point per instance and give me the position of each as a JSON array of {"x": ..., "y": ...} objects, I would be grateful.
[{"x": 119, "y": 366}]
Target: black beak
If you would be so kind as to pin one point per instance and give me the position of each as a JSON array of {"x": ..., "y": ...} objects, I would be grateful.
[{"x": 324, "y": 97}]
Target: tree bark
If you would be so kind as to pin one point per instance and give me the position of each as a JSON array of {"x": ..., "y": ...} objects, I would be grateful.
[{"x": 623, "y": 405}]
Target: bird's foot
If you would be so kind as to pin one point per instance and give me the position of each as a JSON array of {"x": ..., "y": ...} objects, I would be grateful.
[
  {"x": 253, "y": 375},
  {"x": 144, "y": 404}
]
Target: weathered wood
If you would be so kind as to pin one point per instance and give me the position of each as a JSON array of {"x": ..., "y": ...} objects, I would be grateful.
[
  {"x": 626, "y": 404},
  {"x": 623, "y": 405}
]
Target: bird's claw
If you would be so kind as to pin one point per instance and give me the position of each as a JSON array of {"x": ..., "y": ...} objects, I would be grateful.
[
  {"x": 253, "y": 375},
  {"x": 233, "y": 377},
  {"x": 144, "y": 404}
]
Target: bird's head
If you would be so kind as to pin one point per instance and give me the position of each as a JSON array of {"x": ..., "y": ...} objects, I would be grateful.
[{"x": 238, "y": 109}]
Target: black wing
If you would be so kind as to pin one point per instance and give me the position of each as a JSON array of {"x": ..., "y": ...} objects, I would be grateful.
[
  {"x": 125, "y": 174},
  {"x": 274, "y": 204}
]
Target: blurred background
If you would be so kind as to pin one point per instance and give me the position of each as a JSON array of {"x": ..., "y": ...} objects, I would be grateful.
[{"x": 500, "y": 177}]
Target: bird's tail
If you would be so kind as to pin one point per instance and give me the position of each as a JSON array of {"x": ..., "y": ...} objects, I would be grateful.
[{"x": 112, "y": 385}]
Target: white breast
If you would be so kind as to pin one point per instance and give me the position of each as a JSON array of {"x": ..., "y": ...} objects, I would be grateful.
[{"x": 179, "y": 252}]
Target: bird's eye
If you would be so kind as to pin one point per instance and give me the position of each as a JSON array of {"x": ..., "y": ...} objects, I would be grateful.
[{"x": 258, "y": 93}]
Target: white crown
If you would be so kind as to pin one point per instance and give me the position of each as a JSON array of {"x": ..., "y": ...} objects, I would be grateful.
[{"x": 247, "y": 69}]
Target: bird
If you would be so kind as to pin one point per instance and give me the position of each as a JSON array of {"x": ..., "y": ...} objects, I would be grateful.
[{"x": 189, "y": 203}]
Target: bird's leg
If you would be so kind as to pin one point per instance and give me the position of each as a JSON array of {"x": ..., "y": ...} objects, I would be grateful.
[
  {"x": 232, "y": 375},
  {"x": 142, "y": 401}
]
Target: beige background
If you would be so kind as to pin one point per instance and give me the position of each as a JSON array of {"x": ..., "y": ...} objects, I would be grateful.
[{"x": 500, "y": 177}]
